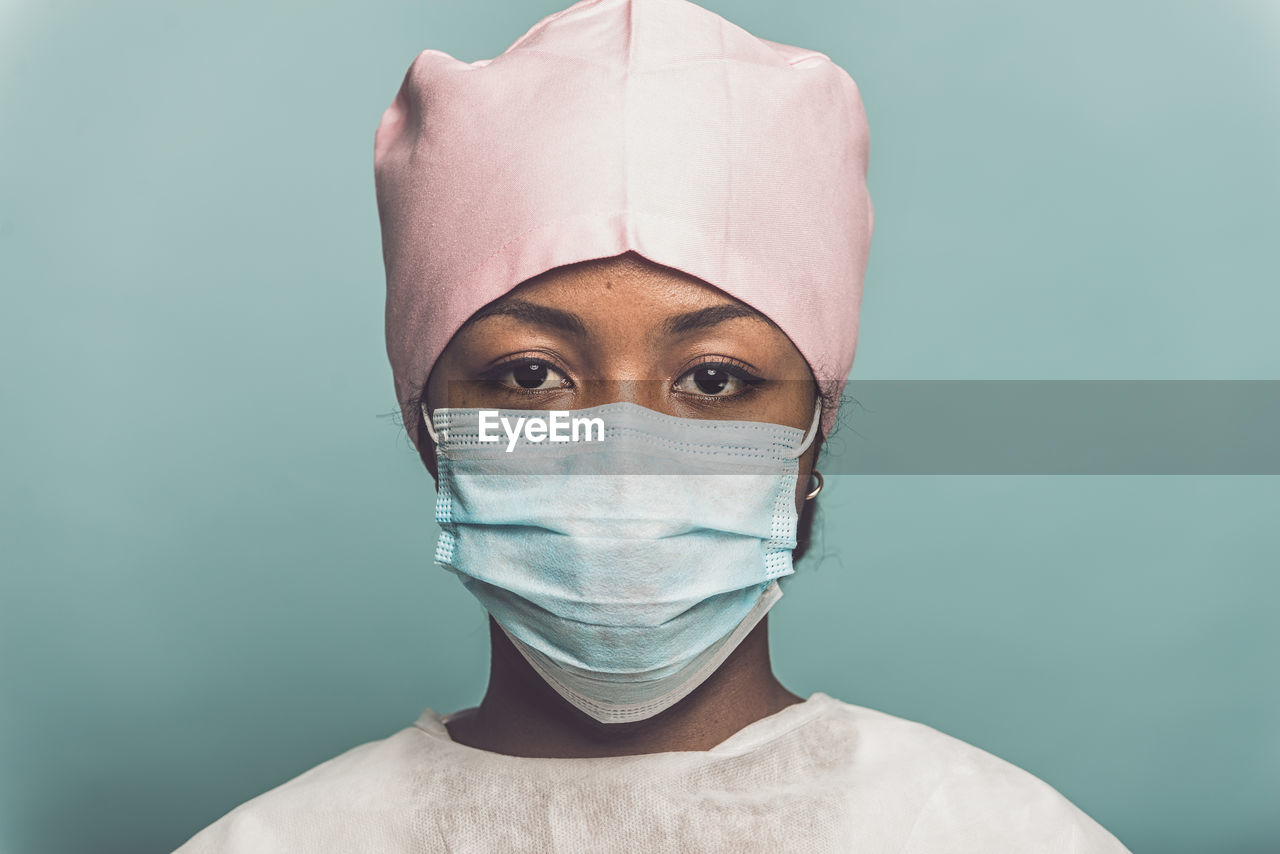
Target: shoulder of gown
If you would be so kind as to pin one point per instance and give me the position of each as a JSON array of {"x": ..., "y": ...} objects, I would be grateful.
[
  {"x": 333, "y": 806},
  {"x": 964, "y": 798}
]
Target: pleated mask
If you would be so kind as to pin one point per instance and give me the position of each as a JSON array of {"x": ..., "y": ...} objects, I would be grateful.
[{"x": 625, "y": 552}]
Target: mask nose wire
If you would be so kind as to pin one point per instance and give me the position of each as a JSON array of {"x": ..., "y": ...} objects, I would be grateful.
[{"x": 804, "y": 446}]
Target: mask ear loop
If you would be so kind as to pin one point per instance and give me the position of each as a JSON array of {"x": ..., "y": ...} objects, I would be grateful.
[
  {"x": 808, "y": 440},
  {"x": 426, "y": 416},
  {"x": 813, "y": 428}
]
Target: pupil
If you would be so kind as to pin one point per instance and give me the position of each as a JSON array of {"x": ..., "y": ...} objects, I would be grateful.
[
  {"x": 530, "y": 374},
  {"x": 710, "y": 380}
]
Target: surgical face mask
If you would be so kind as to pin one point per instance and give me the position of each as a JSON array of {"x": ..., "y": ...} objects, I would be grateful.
[{"x": 626, "y": 553}]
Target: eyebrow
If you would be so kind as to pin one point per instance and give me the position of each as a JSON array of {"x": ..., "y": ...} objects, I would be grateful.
[
  {"x": 566, "y": 321},
  {"x": 705, "y": 317},
  {"x": 532, "y": 313}
]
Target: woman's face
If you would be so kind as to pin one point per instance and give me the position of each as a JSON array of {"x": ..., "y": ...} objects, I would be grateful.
[{"x": 625, "y": 329}]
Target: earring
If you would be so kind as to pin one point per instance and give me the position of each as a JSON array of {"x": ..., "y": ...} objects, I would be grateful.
[{"x": 814, "y": 494}]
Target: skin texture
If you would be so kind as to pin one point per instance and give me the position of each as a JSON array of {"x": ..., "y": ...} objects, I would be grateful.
[{"x": 623, "y": 343}]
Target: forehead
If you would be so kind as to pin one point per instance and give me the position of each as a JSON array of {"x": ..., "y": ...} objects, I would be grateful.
[{"x": 628, "y": 281}]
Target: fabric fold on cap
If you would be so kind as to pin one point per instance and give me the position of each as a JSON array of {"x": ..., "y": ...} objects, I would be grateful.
[{"x": 653, "y": 126}]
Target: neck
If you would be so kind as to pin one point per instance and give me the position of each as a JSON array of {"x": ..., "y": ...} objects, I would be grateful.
[{"x": 521, "y": 715}]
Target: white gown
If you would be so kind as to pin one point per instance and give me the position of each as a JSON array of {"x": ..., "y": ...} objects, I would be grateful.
[{"x": 821, "y": 776}]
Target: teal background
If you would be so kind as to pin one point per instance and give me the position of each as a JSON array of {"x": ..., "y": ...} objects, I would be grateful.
[{"x": 216, "y": 540}]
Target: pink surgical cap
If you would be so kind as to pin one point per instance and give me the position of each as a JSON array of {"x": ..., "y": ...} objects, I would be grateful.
[{"x": 612, "y": 125}]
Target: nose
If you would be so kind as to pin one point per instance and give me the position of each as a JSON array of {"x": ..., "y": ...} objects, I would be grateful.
[{"x": 631, "y": 387}]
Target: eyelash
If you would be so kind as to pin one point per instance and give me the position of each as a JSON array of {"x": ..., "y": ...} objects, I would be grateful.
[
  {"x": 737, "y": 369},
  {"x": 733, "y": 367},
  {"x": 494, "y": 374}
]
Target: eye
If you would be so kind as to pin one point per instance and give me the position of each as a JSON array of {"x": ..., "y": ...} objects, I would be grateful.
[
  {"x": 716, "y": 379},
  {"x": 529, "y": 374}
]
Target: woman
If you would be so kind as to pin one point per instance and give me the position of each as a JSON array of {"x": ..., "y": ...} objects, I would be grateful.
[{"x": 653, "y": 225}]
